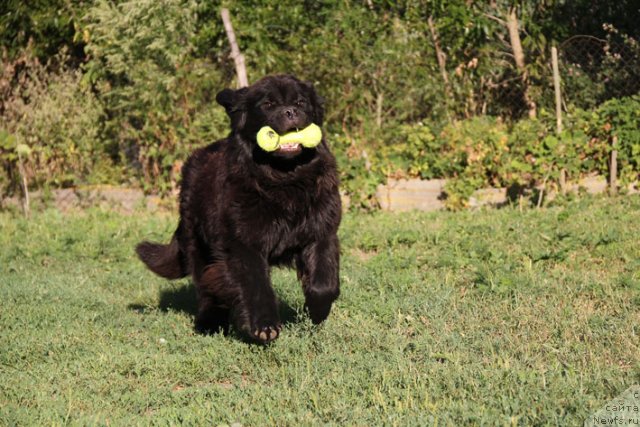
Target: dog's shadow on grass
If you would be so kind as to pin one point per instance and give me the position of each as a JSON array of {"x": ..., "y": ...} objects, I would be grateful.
[{"x": 182, "y": 298}]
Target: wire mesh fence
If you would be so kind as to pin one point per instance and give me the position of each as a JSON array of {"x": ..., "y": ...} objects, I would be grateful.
[{"x": 594, "y": 70}]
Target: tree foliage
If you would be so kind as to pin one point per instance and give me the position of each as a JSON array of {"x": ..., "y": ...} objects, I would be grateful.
[
  {"x": 50, "y": 120},
  {"x": 156, "y": 94},
  {"x": 403, "y": 80},
  {"x": 48, "y": 25}
]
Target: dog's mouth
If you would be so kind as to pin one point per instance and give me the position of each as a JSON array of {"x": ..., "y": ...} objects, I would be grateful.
[{"x": 289, "y": 148}]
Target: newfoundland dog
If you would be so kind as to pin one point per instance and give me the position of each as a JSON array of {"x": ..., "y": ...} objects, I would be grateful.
[{"x": 244, "y": 209}]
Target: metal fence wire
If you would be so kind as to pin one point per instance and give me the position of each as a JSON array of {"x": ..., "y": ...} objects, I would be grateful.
[
  {"x": 592, "y": 71},
  {"x": 595, "y": 70}
]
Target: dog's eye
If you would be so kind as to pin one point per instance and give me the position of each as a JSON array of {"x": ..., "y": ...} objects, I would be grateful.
[
  {"x": 267, "y": 104},
  {"x": 300, "y": 103}
]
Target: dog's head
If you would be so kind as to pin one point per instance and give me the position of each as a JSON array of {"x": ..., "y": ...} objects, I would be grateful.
[{"x": 282, "y": 102}]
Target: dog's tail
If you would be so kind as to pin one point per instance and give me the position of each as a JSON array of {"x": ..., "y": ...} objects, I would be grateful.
[{"x": 164, "y": 260}]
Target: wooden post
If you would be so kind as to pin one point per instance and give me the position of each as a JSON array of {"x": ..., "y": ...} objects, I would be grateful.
[
  {"x": 26, "y": 210},
  {"x": 613, "y": 168},
  {"x": 556, "y": 87},
  {"x": 238, "y": 58}
]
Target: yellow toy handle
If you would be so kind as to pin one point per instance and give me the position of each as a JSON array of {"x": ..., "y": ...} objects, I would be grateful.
[{"x": 269, "y": 140}]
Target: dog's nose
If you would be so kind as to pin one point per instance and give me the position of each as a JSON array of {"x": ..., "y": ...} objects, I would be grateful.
[{"x": 291, "y": 113}]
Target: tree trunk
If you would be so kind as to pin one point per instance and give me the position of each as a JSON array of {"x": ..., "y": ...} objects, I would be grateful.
[
  {"x": 237, "y": 57},
  {"x": 518, "y": 54},
  {"x": 441, "y": 57}
]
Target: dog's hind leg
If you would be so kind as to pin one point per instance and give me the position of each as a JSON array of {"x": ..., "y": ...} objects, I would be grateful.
[
  {"x": 213, "y": 311},
  {"x": 211, "y": 317}
]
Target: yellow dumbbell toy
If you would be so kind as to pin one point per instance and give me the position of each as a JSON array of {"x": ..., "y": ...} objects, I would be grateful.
[{"x": 269, "y": 140}]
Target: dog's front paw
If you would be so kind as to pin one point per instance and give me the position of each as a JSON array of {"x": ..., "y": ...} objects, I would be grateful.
[
  {"x": 260, "y": 324},
  {"x": 265, "y": 334}
]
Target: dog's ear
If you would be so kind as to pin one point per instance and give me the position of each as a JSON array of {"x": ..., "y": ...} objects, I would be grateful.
[
  {"x": 317, "y": 101},
  {"x": 226, "y": 98},
  {"x": 235, "y": 105}
]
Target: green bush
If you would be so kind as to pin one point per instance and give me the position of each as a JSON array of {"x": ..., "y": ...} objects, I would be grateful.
[
  {"x": 150, "y": 70},
  {"x": 360, "y": 172},
  {"x": 616, "y": 125},
  {"x": 50, "y": 124},
  {"x": 158, "y": 98},
  {"x": 486, "y": 152}
]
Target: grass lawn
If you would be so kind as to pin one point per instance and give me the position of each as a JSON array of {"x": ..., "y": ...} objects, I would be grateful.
[{"x": 496, "y": 317}]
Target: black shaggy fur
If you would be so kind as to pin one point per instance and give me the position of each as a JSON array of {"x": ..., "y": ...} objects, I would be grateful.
[{"x": 243, "y": 210}]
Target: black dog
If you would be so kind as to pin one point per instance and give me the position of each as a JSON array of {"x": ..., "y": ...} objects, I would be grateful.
[{"x": 243, "y": 209}]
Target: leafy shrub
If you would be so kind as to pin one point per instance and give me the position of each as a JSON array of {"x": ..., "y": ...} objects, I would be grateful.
[
  {"x": 538, "y": 154},
  {"x": 154, "y": 66},
  {"x": 485, "y": 152},
  {"x": 615, "y": 125},
  {"x": 420, "y": 149},
  {"x": 159, "y": 100},
  {"x": 49, "y": 122},
  {"x": 360, "y": 172},
  {"x": 471, "y": 153}
]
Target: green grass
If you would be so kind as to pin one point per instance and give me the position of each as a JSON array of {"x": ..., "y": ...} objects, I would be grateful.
[{"x": 494, "y": 317}]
